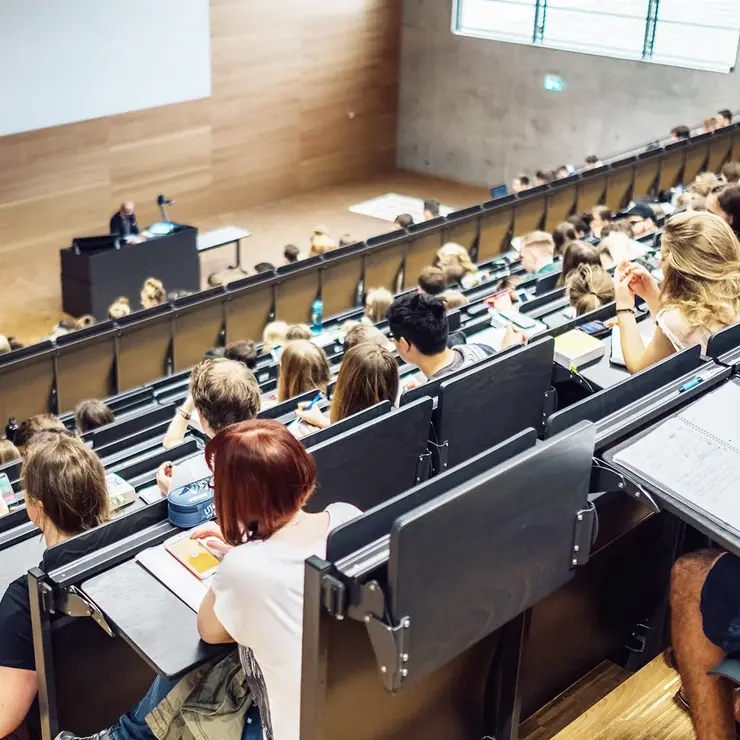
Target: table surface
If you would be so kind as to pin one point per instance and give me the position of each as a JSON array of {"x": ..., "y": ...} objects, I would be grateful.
[
  {"x": 220, "y": 237},
  {"x": 602, "y": 374},
  {"x": 157, "y": 625}
]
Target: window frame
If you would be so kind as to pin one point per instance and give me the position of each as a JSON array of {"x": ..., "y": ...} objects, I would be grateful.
[{"x": 652, "y": 27}]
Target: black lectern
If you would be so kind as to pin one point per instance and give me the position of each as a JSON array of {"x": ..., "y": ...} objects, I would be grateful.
[{"x": 97, "y": 272}]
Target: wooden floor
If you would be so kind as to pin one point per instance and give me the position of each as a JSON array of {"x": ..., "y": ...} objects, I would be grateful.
[
  {"x": 31, "y": 303},
  {"x": 641, "y": 707}
]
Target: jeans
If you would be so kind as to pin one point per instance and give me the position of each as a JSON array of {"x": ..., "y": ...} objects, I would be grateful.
[{"x": 133, "y": 726}]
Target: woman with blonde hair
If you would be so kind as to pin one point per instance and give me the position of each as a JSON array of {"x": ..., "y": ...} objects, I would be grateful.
[
  {"x": 377, "y": 302},
  {"x": 274, "y": 335},
  {"x": 303, "y": 367},
  {"x": 456, "y": 264},
  {"x": 119, "y": 308},
  {"x": 320, "y": 242},
  {"x": 699, "y": 295},
  {"x": 298, "y": 331},
  {"x": 152, "y": 293},
  {"x": 368, "y": 375},
  {"x": 589, "y": 287}
]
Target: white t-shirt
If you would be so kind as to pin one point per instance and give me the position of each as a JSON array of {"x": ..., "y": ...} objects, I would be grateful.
[
  {"x": 258, "y": 590},
  {"x": 188, "y": 471}
]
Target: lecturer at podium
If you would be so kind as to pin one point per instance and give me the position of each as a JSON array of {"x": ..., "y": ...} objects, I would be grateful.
[{"x": 123, "y": 222}]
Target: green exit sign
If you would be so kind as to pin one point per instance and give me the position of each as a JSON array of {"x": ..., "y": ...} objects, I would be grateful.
[{"x": 553, "y": 83}]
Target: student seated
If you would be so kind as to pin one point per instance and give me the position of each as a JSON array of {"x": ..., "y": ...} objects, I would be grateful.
[
  {"x": 377, "y": 303},
  {"x": 274, "y": 335},
  {"x": 244, "y": 350},
  {"x": 321, "y": 244},
  {"x": 578, "y": 253},
  {"x": 589, "y": 287},
  {"x": 592, "y": 162},
  {"x": 33, "y": 425},
  {"x": 298, "y": 331},
  {"x": 8, "y": 451},
  {"x": 699, "y": 295},
  {"x": 580, "y": 225},
  {"x": 601, "y": 216},
  {"x": 538, "y": 253},
  {"x": 642, "y": 219},
  {"x": 731, "y": 173},
  {"x": 152, "y": 293},
  {"x": 431, "y": 209},
  {"x": 419, "y": 331},
  {"x": 520, "y": 184},
  {"x": 432, "y": 280},
  {"x": 361, "y": 332},
  {"x": 455, "y": 262},
  {"x": 263, "y": 478},
  {"x": 724, "y": 118},
  {"x": 66, "y": 493},
  {"x": 403, "y": 221},
  {"x": 453, "y": 299},
  {"x": 563, "y": 235},
  {"x": 222, "y": 392},
  {"x": 681, "y": 133},
  {"x": 303, "y": 367},
  {"x": 347, "y": 239},
  {"x": 91, "y": 415},
  {"x": 543, "y": 177},
  {"x": 705, "y": 614},
  {"x": 291, "y": 254},
  {"x": 725, "y": 203},
  {"x": 368, "y": 375},
  {"x": 705, "y": 183},
  {"x": 4, "y": 345}
]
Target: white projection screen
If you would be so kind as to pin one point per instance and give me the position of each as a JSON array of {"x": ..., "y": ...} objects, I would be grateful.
[{"x": 63, "y": 61}]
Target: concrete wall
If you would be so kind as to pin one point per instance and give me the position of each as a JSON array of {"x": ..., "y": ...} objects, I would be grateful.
[{"x": 476, "y": 110}]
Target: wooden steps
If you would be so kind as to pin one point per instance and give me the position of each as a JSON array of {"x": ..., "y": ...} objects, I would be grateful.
[{"x": 641, "y": 708}]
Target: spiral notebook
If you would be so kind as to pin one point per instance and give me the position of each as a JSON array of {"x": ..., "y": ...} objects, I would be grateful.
[{"x": 695, "y": 455}]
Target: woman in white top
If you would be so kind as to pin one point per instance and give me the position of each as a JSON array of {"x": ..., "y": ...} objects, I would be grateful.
[
  {"x": 699, "y": 295},
  {"x": 263, "y": 477}
]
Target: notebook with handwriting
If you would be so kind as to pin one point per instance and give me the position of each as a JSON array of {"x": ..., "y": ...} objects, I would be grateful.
[{"x": 695, "y": 455}]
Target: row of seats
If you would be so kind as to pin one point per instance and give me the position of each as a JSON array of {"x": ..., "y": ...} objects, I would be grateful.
[
  {"x": 512, "y": 501},
  {"x": 113, "y": 357}
]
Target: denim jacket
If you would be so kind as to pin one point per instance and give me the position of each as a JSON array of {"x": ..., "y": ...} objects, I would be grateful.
[{"x": 209, "y": 703}]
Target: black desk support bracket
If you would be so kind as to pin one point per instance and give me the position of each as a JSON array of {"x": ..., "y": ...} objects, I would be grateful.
[
  {"x": 605, "y": 479},
  {"x": 583, "y": 535},
  {"x": 74, "y": 603},
  {"x": 424, "y": 467},
  {"x": 389, "y": 641}
]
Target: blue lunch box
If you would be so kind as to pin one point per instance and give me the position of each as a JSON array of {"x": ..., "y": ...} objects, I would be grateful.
[{"x": 191, "y": 505}]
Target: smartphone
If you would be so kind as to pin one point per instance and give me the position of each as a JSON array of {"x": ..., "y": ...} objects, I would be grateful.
[
  {"x": 7, "y": 494},
  {"x": 594, "y": 327},
  {"x": 518, "y": 319},
  {"x": 193, "y": 554}
]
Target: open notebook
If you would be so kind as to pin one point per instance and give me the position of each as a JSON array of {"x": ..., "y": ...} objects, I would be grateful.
[
  {"x": 178, "y": 579},
  {"x": 695, "y": 455}
]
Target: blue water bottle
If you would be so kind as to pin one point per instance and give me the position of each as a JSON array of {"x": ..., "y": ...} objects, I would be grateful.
[{"x": 317, "y": 315}]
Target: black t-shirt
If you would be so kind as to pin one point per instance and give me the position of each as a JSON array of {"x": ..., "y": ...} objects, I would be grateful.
[{"x": 16, "y": 637}]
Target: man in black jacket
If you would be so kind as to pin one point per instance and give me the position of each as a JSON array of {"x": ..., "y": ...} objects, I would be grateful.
[{"x": 123, "y": 222}]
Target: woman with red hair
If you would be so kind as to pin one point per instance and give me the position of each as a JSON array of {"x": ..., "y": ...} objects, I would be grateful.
[{"x": 263, "y": 477}]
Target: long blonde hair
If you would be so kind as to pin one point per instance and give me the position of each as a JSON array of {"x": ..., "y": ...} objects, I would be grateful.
[
  {"x": 700, "y": 257},
  {"x": 457, "y": 255},
  {"x": 303, "y": 367}
]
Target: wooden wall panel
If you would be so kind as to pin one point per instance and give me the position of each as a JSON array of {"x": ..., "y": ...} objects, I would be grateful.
[{"x": 286, "y": 75}]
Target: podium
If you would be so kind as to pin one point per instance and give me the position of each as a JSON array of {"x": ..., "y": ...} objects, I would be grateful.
[{"x": 99, "y": 270}]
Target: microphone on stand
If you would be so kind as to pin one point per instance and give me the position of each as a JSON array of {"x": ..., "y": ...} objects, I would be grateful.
[{"x": 162, "y": 202}]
